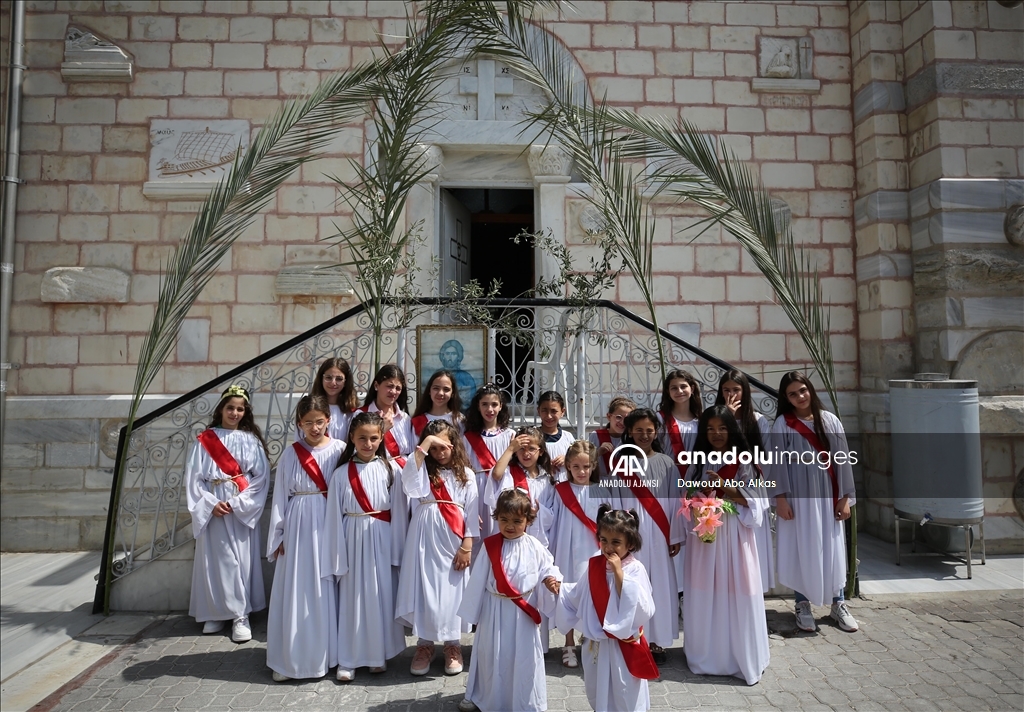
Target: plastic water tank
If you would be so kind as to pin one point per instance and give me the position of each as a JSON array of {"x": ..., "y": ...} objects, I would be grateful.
[{"x": 936, "y": 449}]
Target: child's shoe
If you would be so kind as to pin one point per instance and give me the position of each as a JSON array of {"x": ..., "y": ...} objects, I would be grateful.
[
  {"x": 804, "y": 617},
  {"x": 452, "y": 659},
  {"x": 278, "y": 677},
  {"x": 658, "y": 653},
  {"x": 377, "y": 670},
  {"x": 421, "y": 660},
  {"x": 467, "y": 706},
  {"x": 211, "y": 627},
  {"x": 345, "y": 675},
  {"x": 569, "y": 657},
  {"x": 841, "y": 615},
  {"x": 240, "y": 630}
]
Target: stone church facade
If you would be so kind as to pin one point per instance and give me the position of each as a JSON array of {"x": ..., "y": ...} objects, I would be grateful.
[{"x": 893, "y": 132}]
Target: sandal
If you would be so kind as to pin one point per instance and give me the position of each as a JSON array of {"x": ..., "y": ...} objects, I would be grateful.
[{"x": 569, "y": 657}]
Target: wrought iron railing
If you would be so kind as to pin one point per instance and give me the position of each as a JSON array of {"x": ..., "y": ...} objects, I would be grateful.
[{"x": 591, "y": 355}]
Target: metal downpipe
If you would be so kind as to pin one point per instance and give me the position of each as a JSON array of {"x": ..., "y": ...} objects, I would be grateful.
[{"x": 12, "y": 156}]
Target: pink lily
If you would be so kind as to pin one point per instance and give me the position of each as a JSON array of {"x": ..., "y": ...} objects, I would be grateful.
[
  {"x": 684, "y": 507},
  {"x": 708, "y": 524}
]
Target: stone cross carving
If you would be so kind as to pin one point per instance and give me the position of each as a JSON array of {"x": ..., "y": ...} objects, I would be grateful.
[{"x": 486, "y": 85}]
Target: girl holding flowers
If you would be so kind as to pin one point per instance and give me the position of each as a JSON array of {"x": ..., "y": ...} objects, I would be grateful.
[{"x": 724, "y": 626}]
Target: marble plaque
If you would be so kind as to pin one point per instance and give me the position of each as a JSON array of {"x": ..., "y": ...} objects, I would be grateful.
[{"x": 187, "y": 158}]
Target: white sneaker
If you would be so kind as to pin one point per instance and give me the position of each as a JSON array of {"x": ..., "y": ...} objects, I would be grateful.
[
  {"x": 344, "y": 675},
  {"x": 278, "y": 677},
  {"x": 211, "y": 627},
  {"x": 804, "y": 617},
  {"x": 841, "y": 615},
  {"x": 240, "y": 630}
]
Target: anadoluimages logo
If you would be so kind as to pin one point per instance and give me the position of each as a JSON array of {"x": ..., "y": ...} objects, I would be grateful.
[{"x": 626, "y": 464}]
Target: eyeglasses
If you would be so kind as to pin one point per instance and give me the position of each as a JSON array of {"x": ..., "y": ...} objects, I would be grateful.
[
  {"x": 313, "y": 423},
  {"x": 334, "y": 379},
  {"x": 531, "y": 449}
]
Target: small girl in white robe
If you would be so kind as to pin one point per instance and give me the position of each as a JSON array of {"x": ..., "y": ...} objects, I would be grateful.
[
  {"x": 357, "y": 551},
  {"x": 441, "y": 490},
  {"x": 513, "y": 581},
  {"x": 302, "y": 646},
  {"x": 610, "y": 606},
  {"x": 574, "y": 529},
  {"x": 526, "y": 464},
  {"x": 387, "y": 395},
  {"x": 724, "y": 627},
  {"x": 551, "y": 409},
  {"x": 226, "y": 482},
  {"x": 439, "y": 400},
  {"x": 609, "y": 437},
  {"x": 485, "y": 437},
  {"x": 334, "y": 382}
]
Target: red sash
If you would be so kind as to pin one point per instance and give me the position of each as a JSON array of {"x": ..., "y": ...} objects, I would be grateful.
[
  {"x": 418, "y": 423},
  {"x": 519, "y": 478},
  {"x": 812, "y": 437},
  {"x": 676, "y": 439},
  {"x": 360, "y": 494},
  {"x": 505, "y": 588},
  {"x": 390, "y": 444},
  {"x": 651, "y": 504},
  {"x": 312, "y": 469},
  {"x": 603, "y": 436},
  {"x": 635, "y": 651},
  {"x": 484, "y": 456},
  {"x": 223, "y": 459},
  {"x": 564, "y": 490},
  {"x": 449, "y": 511}
]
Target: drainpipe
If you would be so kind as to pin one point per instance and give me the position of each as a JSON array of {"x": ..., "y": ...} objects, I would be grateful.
[{"x": 12, "y": 146}]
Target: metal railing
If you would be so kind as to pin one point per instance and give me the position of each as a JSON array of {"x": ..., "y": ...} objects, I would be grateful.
[{"x": 591, "y": 355}]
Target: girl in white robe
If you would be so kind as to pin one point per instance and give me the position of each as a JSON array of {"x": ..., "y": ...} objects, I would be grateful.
[
  {"x": 574, "y": 540},
  {"x": 678, "y": 411},
  {"x": 440, "y": 400},
  {"x": 610, "y": 685},
  {"x": 734, "y": 392},
  {"x": 551, "y": 409},
  {"x": 334, "y": 382},
  {"x": 506, "y": 671},
  {"x": 303, "y": 608},
  {"x": 485, "y": 437},
  {"x": 387, "y": 396},
  {"x": 659, "y": 550},
  {"x": 811, "y": 512},
  {"x": 227, "y": 577},
  {"x": 440, "y": 489},
  {"x": 357, "y": 551},
  {"x": 609, "y": 437},
  {"x": 724, "y": 626}
]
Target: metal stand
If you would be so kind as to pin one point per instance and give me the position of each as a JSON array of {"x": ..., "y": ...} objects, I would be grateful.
[{"x": 965, "y": 524}]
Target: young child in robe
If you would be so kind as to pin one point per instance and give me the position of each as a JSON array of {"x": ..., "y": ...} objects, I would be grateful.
[
  {"x": 486, "y": 436},
  {"x": 811, "y": 503},
  {"x": 660, "y": 526},
  {"x": 302, "y": 646},
  {"x": 226, "y": 482},
  {"x": 734, "y": 392},
  {"x": 441, "y": 490},
  {"x": 724, "y": 628},
  {"x": 574, "y": 527},
  {"x": 610, "y": 606},
  {"x": 387, "y": 396},
  {"x": 511, "y": 584},
  {"x": 439, "y": 401},
  {"x": 609, "y": 437},
  {"x": 357, "y": 551},
  {"x": 526, "y": 464},
  {"x": 333, "y": 381},
  {"x": 551, "y": 409}
]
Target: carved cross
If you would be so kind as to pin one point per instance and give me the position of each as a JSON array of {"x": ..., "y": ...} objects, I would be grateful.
[{"x": 486, "y": 86}]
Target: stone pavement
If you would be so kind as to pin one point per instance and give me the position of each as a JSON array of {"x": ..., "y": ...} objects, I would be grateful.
[{"x": 914, "y": 652}]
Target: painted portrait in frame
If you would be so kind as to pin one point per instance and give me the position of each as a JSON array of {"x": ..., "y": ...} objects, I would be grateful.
[{"x": 459, "y": 349}]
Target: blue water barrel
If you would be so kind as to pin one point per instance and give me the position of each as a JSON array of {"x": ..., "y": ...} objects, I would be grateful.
[{"x": 936, "y": 449}]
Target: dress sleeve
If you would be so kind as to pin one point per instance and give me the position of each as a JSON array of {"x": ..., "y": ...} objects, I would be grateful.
[
  {"x": 473, "y": 596},
  {"x": 567, "y": 605},
  {"x": 247, "y": 506},
  {"x": 415, "y": 480},
  {"x": 756, "y": 510},
  {"x": 546, "y": 601},
  {"x": 200, "y": 500},
  {"x": 470, "y": 514},
  {"x": 400, "y": 514},
  {"x": 279, "y": 503},
  {"x": 778, "y": 471},
  {"x": 632, "y": 608},
  {"x": 844, "y": 471},
  {"x": 333, "y": 551}
]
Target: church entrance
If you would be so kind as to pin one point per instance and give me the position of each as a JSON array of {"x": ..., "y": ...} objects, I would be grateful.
[{"x": 478, "y": 227}]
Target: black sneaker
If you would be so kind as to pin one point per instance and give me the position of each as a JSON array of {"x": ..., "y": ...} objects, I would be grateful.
[{"x": 658, "y": 653}]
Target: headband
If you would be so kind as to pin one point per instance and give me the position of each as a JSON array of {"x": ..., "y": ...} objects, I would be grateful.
[{"x": 234, "y": 391}]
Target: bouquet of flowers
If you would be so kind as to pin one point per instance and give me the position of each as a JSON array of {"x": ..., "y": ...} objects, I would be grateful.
[{"x": 707, "y": 510}]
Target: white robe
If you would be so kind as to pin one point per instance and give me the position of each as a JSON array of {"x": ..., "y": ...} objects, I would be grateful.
[
  {"x": 664, "y": 625},
  {"x": 688, "y": 431},
  {"x": 227, "y": 576},
  {"x": 763, "y": 533},
  {"x": 429, "y": 588},
  {"x": 812, "y": 545},
  {"x": 506, "y": 671},
  {"x": 541, "y": 492},
  {"x": 616, "y": 440},
  {"x": 609, "y": 684},
  {"x": 357, "y": 557},
  {"x": 724, "y": 628},
  {"x": 572, "y": 542},
  {"x": 303, "y": 607},
  {"x": 430, "y": 419},
  {"x": 496, "y": 443},
  {"x": 557, "y": 447},
  {"x": 337, "y": 428}
]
